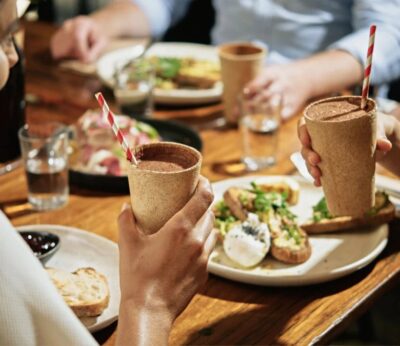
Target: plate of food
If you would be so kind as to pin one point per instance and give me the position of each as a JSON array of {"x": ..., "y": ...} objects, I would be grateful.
[
  {"x": 97, "y": 160},
  {"x": 89, "y": 283},
  {"x": 186, "y": 73},
  {"x": 276, "y": 231}
]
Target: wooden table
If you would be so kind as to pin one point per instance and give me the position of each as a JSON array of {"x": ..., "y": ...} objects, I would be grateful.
[{"x": 224, "y": 312}]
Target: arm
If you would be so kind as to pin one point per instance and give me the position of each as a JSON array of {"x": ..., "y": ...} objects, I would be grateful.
[
  {"x": 340, "y": 66},
  {"x": 305, "y": 79},
  {"x": 160, "y": 273}
]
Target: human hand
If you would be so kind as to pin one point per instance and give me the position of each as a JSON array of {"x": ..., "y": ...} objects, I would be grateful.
[
  {"x": 387, "y": 127},
  {"x": 161, "y": 272},
  {"x": 81, "y": 38},
  {"x": 286, "y": 81}
]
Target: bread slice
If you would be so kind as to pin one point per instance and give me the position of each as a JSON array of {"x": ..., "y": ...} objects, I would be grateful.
[
  {"x": 85, "y": 290},
  {"x": 239, "y": 201},
  {"x": 384, "y": 215},
  {"x": 285, "y": 248}
]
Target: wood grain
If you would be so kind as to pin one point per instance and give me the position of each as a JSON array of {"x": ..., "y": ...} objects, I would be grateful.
[{"x": 224, "y": 312}]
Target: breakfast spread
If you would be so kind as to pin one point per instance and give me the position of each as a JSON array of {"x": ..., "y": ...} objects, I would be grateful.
[
  {"x": 256, "y": 220},
  {"x": 178, "y": 73},
  {"x": 98, "y": 151},
  {"x": 85, "y": 290}
]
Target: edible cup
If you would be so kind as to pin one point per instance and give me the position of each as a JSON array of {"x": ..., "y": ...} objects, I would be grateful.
[
  {"x": 157, "y": 196},
  {"x": 347, "y": 151},
  {"x": 240, "y": 63}
]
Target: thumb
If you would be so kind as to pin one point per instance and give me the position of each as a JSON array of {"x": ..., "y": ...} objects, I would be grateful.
[
  {"x": 96, "y": 46},
  {"x": 128, "y": 231}
]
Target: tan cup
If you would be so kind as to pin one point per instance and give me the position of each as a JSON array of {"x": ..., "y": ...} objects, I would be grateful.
[
  {"x": 157, "y": 196},
  {"x": 240, "y": 63},
  {"x": 347, "y": 151}
]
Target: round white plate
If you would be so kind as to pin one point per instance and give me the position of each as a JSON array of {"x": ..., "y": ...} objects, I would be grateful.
[
  {"x": 84, "y": 249},
  {"x": 333, "y": 255},
  {"x": 107, "y": 64}
]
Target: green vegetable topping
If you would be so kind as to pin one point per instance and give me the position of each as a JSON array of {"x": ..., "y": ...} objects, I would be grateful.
[{"x": 320, "y": 211}]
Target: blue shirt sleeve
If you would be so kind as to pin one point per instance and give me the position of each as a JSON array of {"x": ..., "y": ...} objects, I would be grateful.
[
  {"x": 386, "y": 58},
  {"x": 162, "y": 13}
]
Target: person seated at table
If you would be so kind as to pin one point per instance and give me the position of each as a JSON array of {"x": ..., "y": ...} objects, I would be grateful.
[
  {"x": 152, "y": 295},
  {"x": 388, "y": 146},
  {"x": 315, "y": 47}
]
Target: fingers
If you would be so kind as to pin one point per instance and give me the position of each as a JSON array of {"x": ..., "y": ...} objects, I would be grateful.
[
  {"x": 311, "y": 157},
  {"x": 302, "y": 133},
  {"x": 97, "y": 44},
  {"x": 262, "y": 81},
  {"x": 190, "y": 214},
  {"x": 128, "y": 231},
  {"x": 210, "y": 242},
  {"x": 205, "y": 225}
]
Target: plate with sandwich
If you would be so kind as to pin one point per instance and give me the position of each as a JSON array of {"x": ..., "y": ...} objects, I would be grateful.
[
  {"x": 85, "y": 271},
  {"x": 185, "y": 73},
  {"x": 276, "y": 231}
]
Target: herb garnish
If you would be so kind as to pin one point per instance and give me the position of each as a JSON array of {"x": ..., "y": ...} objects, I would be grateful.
[{"x": 320, "y": 211}]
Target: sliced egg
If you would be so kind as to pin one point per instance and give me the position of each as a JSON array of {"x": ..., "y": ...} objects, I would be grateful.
[{"x": 247, "y": 244}]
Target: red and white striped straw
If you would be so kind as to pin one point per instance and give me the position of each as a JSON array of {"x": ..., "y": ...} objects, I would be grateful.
[
  {"x": 368, "y": 66},
  {"x": 117, "y": 131}
]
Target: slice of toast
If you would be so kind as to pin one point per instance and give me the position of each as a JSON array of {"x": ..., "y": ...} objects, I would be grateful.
[
  {"x": 239, "y": 201},
  {"x": 85, "y": 290},
  {"x": 285, "y": 248},
  {"x": 383, "y": 212},
  {"x": 384, "y": 215}
]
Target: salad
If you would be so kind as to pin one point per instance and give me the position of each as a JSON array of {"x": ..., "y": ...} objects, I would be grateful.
[{"x": 98, "y": 151}]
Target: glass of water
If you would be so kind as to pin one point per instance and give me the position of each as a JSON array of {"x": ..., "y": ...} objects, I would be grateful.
[
  {"x": 259, "y": 126},
  {"x": 44, "y": 149},
  {"x": 133, "y": 88}
]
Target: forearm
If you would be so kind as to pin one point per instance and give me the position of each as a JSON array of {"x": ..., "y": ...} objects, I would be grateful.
[
  {"x": 123, "y": 18},
  {"x": 330, "y": 71},
  {"x": 141, "y": 326}
]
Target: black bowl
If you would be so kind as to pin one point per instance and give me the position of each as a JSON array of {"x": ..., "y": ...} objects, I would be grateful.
[
  {"x": 170, "y": 131},
  {"x": 43, "y": 244}
]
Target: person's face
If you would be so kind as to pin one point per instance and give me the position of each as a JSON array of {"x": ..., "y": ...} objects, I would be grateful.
[{"x": 8, "y": 55}]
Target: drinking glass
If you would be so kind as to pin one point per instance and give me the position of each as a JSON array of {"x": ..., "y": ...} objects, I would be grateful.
[
  {"x": 259, "y": 126},
  {"x": 133, "y": 88},
  {"x": 44, "y": 149}
]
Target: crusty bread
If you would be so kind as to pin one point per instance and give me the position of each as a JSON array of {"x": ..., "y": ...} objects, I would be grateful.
[
  {"x": 239, "y": 201},
  {"x": 292, "y": 256},
  {"x": 85, "y": 290},
  {"x": 384, "y": 215}
]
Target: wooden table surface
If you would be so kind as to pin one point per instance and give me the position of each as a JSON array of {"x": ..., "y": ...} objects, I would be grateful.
[{"x": 224, "y": 312}]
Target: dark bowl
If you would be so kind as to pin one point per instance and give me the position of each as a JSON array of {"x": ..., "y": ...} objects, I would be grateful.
[{"x": 43, "y": 244}]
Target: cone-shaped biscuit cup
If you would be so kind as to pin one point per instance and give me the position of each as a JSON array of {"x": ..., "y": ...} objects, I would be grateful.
[
  {"x": 240, "y": 63},
  {"x": 347, "y": 149},
  {"x": 156, "y": 196}
]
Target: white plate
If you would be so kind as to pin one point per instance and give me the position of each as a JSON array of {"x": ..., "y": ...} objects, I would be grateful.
[
  {"x": 107, "y": 64},
  {"x": 333, "y": 255},
  {"x": 83, "y": 249}
]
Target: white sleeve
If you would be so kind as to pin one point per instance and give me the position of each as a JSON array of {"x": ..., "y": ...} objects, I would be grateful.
[
  {"x": 162, "y": 13},
  {"x": 386, "y": 16},
  {"x": 31, "y": 310}
]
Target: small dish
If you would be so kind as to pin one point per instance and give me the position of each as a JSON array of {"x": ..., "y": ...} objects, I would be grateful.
[{"x": 43, "y": 244}]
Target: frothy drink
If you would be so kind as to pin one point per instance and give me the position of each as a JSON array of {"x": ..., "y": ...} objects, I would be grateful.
[
  {"x": 159, "y": 166},
  {"x": 344, "y": 135},
  {"x": 162, "y": 182}
]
